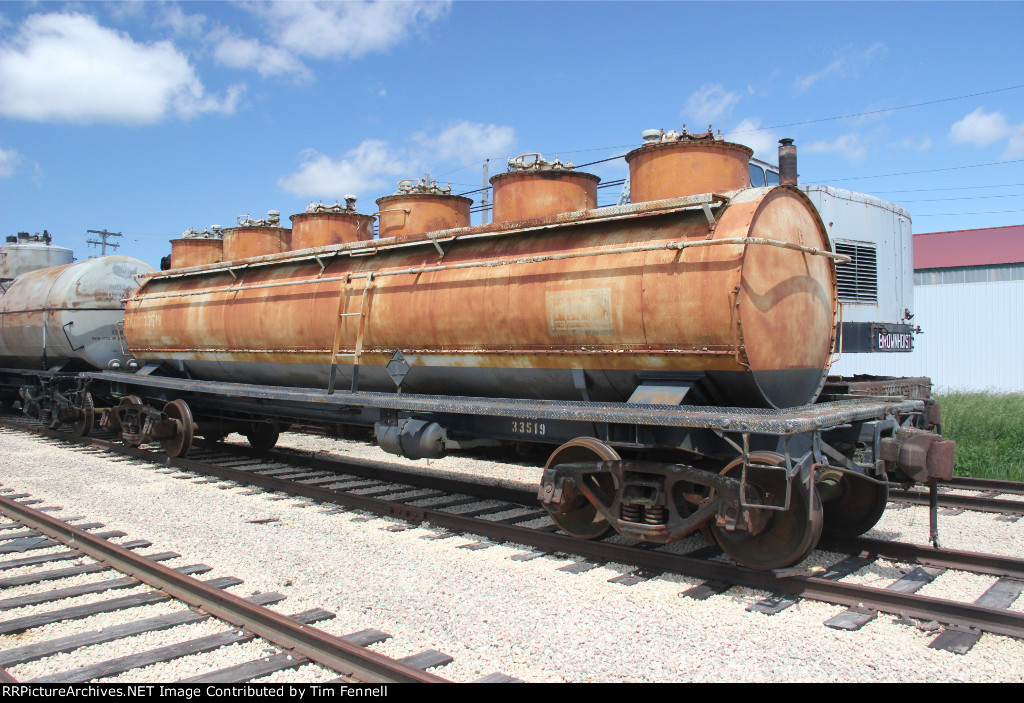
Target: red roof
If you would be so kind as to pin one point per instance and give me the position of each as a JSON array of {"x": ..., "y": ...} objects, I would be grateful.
[{"x": 969, "y": 247}]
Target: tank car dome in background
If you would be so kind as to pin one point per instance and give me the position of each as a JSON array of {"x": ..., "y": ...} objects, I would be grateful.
[
  {"x": 196, "y": 248},
  {"x": 326, "y": 225},
  {"x": 30, "y": 252},
  {"x": 534, "y": 188},
  {"x": 672, "y": 163},
  {"x": 419, "y": 206},
  {"x": 253, "y": 238}
]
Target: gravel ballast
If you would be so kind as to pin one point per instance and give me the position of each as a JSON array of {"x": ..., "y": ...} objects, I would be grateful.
[{"x": 526, "y": 619}]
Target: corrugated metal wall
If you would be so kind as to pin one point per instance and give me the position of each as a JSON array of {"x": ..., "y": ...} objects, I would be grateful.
[{"x": 972, "y": 339}]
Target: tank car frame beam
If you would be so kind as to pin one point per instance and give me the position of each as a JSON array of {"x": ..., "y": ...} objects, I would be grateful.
[
  {"x": 863, "y": 436},
  {"x": 318, "y": 405}
]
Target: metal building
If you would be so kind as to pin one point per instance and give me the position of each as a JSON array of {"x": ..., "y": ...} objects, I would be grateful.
[{"x": 969, "y": 304}]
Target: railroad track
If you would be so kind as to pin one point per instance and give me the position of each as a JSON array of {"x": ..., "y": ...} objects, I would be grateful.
[
  {"x": 988, "y": 492},
  {"x": 986, "y": 496},
  {"x": 500, "y": 514},
  {"x": 297, "y": 642}
]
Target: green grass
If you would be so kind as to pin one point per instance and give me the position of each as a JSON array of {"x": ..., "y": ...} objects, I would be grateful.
[{"x": 989, "y": 432}]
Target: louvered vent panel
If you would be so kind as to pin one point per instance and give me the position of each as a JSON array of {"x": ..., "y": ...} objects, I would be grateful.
[{"x": 858, "y": 279}]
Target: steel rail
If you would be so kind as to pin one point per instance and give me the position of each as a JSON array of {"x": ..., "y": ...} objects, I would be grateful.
[
  {"x": 372, "y": 469},
  {"x": 993, "y": 620},
  {"x": 976, "y": 503},
  {"x": 968, "y": 483},
  {"x": 314, "y": 644},
  {"x": 976, "y": 562}
]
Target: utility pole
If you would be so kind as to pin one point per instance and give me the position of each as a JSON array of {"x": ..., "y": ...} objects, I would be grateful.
[
  {"x": 104, "y": 244},
  {"x": 483, "y": 198}
]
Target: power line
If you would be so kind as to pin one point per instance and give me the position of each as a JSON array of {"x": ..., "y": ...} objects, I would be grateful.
[
  {"x": 475, "y": 163},
  {"x": 914, "y": 173},
  {"x": 611, "y": 158},
  {"x": 875, "y": 112},
  {"x": 780, "y": 126},
  {"x": 966, "y": 197},
  {"x": 929, "y": 190},
  {"x": 954, "y": 214}
]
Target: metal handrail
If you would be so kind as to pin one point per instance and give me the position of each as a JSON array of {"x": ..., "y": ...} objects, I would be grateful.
[{"x": 669, "y": 246}]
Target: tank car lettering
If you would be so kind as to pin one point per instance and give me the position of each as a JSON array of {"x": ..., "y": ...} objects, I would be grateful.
[
  {"x": 586, "y": 311},
  {"x": 528, "y": 427},
  {"x": 107, "y": 296}
]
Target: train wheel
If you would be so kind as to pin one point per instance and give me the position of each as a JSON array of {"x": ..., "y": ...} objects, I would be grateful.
[
  {"x": 83, "y": 425},
  {"x": 263, "y": 436},
  {"x": 780, "y": 537},
  {"x": 857, "y": 509},
  {"x": 582, "y": 519},
  {"x": 179, "y": 445}
]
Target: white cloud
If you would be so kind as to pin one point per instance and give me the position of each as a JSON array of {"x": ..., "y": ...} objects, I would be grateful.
[
  {"x": 180, "y": 23},
  {"x": 370, "y": 166},
  {"x": 8, "y": 160},
  {"x": 328, "y": 30},
  {"x": 251, "y": 54},
  {"x": 317, "y": 30},
  {"x": 467, "y": 142},
  {"x": 765, "y": 143},
  {"x": 119, "y": 12},
  {"x": 1015, "y": 145},
  {"x": 849, "y": 146},
  {"x": 708, "y": 103},
  {"x": 845, "y": 66},
  {"x": 376, "y": 164},
  {"x": 67, "y": 68},
  {"x": 982, "y": 128},
  {"x": 805, "y": 82}
]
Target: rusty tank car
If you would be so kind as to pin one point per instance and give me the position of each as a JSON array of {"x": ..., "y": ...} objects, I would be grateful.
[
  {"x": 671, "y": 352},
  {"x": 740, "y": 304}
]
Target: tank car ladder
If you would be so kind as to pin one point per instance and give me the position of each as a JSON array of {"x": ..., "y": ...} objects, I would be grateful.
[{"x": 343, "y": 297}]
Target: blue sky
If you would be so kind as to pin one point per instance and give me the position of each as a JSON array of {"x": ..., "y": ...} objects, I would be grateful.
[{"x": 148, "y": 118}]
